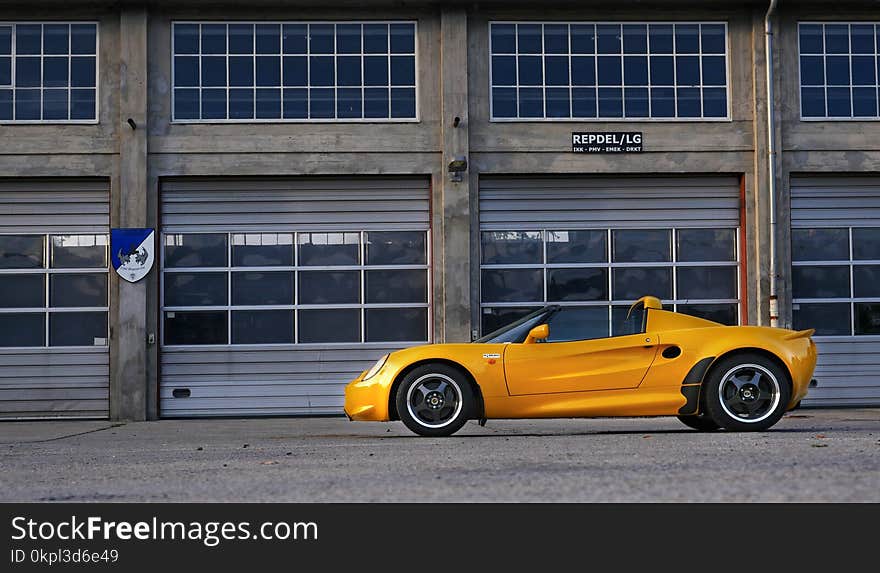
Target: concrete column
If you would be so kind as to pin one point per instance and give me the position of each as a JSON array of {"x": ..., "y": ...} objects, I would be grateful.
[
  {"x": 128, "y": 357},
  {"x": 456, "y": 260},
  {"x": 758, "y": 242}
]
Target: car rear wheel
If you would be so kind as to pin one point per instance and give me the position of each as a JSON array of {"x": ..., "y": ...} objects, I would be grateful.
[
  {"x": 434, "y": 400},
  {"x": 700, "y": 422},
  {"x": 746, "y": 392}
]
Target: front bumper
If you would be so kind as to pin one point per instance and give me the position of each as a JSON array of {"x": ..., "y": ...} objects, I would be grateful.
[{"x": 367, "y": 400}]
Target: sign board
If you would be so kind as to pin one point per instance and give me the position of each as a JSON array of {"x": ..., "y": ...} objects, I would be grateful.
[
  {"x": 132, "y": 252},
  {"x": 606, "y": 142}
]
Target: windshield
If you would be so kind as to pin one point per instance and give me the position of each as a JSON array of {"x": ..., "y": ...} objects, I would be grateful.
[{"x": 517, "y": 331}]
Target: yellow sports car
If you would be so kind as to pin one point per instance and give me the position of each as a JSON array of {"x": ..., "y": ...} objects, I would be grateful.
[{"x": 711, "y": 376}]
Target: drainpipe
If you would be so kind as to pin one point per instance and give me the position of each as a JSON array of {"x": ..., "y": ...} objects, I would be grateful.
[{"x": 771, "y": 158}]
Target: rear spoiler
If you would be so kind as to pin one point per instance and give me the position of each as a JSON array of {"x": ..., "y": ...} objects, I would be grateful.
[{"x": 800, "y": 334}]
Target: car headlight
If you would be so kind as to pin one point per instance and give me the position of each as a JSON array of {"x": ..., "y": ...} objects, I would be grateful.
[{"x": 376, "y": 367}]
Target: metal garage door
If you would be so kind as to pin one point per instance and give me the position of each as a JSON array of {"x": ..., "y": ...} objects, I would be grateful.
[
  {"x": 835, "y": 250},
  {"x": 277, "y": 292},
  {"x": 595, "y": 244},
  {"x": 54, "y": 359}
]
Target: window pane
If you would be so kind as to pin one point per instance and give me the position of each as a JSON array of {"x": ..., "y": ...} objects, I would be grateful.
[
  {"x": 866, "y": 244},
  {"x": 213, "y": 71},
  {"x": 257, "y": 288},
  {"x": 262, "y": 327},
  {"x": 687, "y": 38},
  {"x": 396, "y": 248},
  {"x": 530, "y": 71},
  {"x": 78, "y": 290},
  {"x": 376, "y": 70},
  {"x": 623, "y": 326},
  {"x": 608, "y": 38},
  {"x": 583, "y": 71},
  {"x": 512, "y": 285},
  {"x": 812, "y": 71},
  {"x": 578, "y": 324},
  {"x": 511, "y": 247},
  {"x": 634, "y": 283},
  {"x": 583, "y": 102},
  {"x": 55, "y": 104},
  {"x": 262, "y": 250},
  {"x": 706, "y": 245},
  {"x": 195, "y": 289},
  {"x": 21, "y": 251},
  {"x": 688, "y": 100},
  {"x": 186, "y": 71},
  {"x": 403, "y": 38},
  {"x": 636, "y": 102},
  {"x": 79, "y": 251},
  {"x": 268, "y": 38},
  {"x": 403, "y": 102},
  {"x": 296, "y": 104},
  {"x": 721, "y": 313},
  {"x": 6, "y": 112},
  {"x": 348, "y": 70},
  {"x": 531, "y": 102},
  {"x": 78, "y": 329},
  {"x": 22, "y": 291},
  {"x": 196, "y": 250},
  {"x": 813, "y": 102},
  {"x": 336, "y": 325},
  {"x": 495, "y": 318},
  {"x": 839, "y": 102},
  {"x": 321, "y": 72},
  {"x": 555, "y": 39},
  {"x": 820, "y": 282},
  {"x": 867, "y": 318},
  {"x": 27, "y": 72},
  {"x": 241, "y": 39},
  {"x": 326, "y": 249},
  {"x": 558, "y": 104},
  {"x": 82, "y": 104},
  {"x": 529, "y": 38},
  {"x": 241, "y": 104},
  {"x": 55, "y": 72},
  {"x": 376, "y": 103},
  {"x": 811, "y": 39},
  {"x": 635, "y": 70},
  {"x": 27, "y": 104},
  {"x": 396, "y": 286},
  {"x": 294, "y": 38},
  {"x": 348, "y": 38},
  {"x": 821, "y": 244},
  {"x": 241, "y": 71},
  {"x": 866, "y": 281},
  {"x": 186, "y": 38},
  {"x": 329, "y": 287},
  {"x": 503, "y": 38},
  {"x": 577, "y": 247},
  {"x": 56, "y": 39},
  {"x": 396, "y": 324},
  {"x": 583, "y": 39},
  {"x": 28, "y": 38},
  {"x": 829, "y": 319},
  {"x": 577, "y": 284},
  {"x": 403, "y": 71},
  {"x": 706, "y": 282},
  {"x": 661, "y": 38},
  {"x": 268, "y": 103},
  {"x": 83, "y": 38},
  {"x": 837, "y": 70},
  {"x": 201, "y": 327},
  {"x": 836, "y": 38},
  {"x": 641, "y": 245},
  {"x": 375, "y": 38},
  {"x": 296, "y": 71},
  {"x": 23, "y": 329},
  {"x": 712, "y": 39},
  {"x": 186, "y": 104}
]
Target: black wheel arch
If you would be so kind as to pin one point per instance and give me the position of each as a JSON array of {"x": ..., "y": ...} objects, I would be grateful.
[
  {"x": 392, "y": 394},
  {"x": 747, "y": 350}
]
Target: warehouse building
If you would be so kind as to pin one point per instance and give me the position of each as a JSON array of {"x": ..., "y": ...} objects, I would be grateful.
[{"x": 329, "y": 181}]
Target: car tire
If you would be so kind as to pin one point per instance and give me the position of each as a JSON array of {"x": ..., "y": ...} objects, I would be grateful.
[
  {"x": 435, "y": 400},
  {"x": 700, "y": 422},
  {"x": 746, "y": 392}
]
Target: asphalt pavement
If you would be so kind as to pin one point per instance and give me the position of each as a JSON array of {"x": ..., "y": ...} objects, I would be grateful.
[{"x": 810, "y": 455}]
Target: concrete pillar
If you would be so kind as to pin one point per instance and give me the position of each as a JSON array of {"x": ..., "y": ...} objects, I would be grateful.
[
  {"x": 456, "y": 262},
  {"x": 128, "y": 356}
]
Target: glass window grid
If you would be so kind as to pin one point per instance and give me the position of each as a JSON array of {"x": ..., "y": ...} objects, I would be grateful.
[
  {"x": 47, "y": 271},
  {"x": 307, "y": 54},
  {"x": 611, "y": 303},
  {"x": 596, "y": 87},
  {"x": 849, "y": 54},
  {"x": 362, "y": 267},
  {"x": 42, "y": 56},
  {"x": 851, "y": 299}
]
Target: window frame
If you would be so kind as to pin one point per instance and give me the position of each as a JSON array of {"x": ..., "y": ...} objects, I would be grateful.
[
  {"x": 849, "y": 55},
  {"x": 362, "y": 267},
  {"x": 415, "y": 119},
  {"x": 47, "y": 271},
  {"x": 851, "y": 300},
  {"x": 726, "y": 119},
  {"x": 42, "y": 56},
  {"x": 611, "y": 303}
]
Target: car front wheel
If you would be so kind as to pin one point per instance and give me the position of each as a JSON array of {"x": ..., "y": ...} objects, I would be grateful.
[
  {"x": 746, "y": 392},
  {"x": 434, "y": 400}
]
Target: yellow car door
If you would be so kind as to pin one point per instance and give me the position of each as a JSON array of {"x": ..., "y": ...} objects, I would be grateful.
[{"x": 578, "y": 366}]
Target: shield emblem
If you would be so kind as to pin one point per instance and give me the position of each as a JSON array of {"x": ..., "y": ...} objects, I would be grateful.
[{"x": 132, "y": 252}]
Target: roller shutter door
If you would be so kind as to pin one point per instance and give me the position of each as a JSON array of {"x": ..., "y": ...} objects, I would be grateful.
[
  {"x": 835, "y": 228},
  {"x": 277, "y": 292},
  {"x": 54, "y": 357},
  {"x": 595, "y": 244}
]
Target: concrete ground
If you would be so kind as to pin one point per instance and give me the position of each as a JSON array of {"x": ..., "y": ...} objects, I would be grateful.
[{"x": 811, "y": 455}]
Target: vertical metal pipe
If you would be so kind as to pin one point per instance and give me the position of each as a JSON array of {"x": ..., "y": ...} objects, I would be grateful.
[{"x": 771, "y": 158}]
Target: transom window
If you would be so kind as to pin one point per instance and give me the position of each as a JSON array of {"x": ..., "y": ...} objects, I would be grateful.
[
  {"x": 839, "y": 69},
  {"x": 53, "y": 290},
  {"x": 608, "y": 70},
  {"x": 286, "y": 288},
  {"x": 598, "y": 273},
  {"x": 48, "y": 72},
  {"x": 836, "y": 280},
  {"x": 294, "y": 71}
]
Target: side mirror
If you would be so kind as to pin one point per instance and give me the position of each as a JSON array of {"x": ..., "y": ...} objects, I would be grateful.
[{"x": 538, "y": 333}]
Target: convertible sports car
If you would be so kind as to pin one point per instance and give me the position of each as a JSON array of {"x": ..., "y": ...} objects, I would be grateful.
[{"x": 741, "y": 378}]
